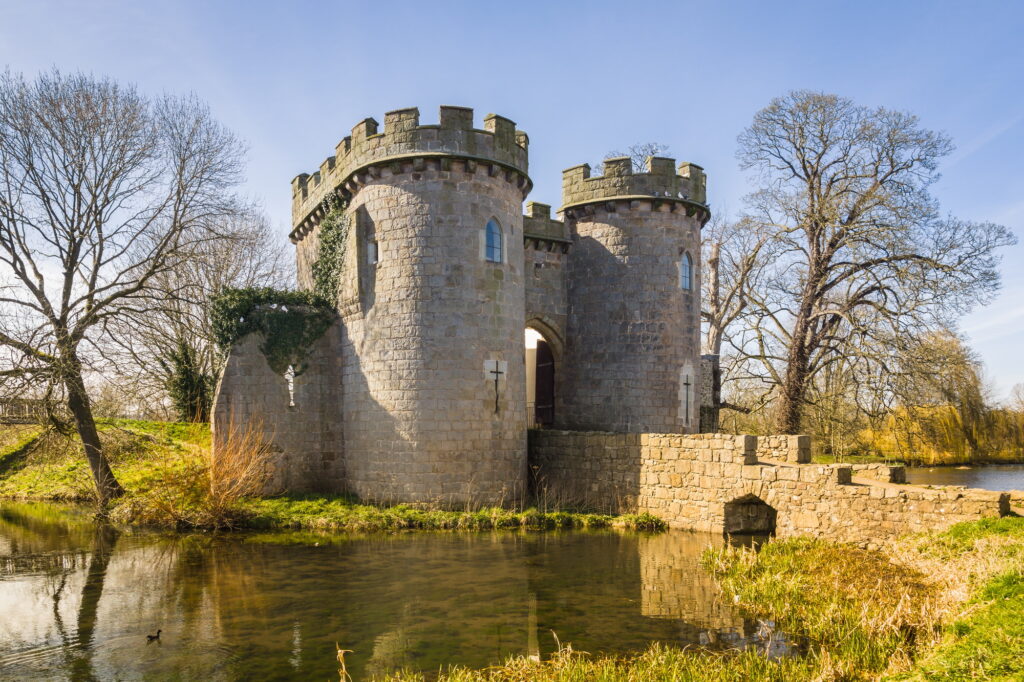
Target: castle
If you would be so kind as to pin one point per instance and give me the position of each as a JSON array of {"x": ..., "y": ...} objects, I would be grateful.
[
  {"x": 479, "y": 355},
  {"x": 463, "y": 322}
]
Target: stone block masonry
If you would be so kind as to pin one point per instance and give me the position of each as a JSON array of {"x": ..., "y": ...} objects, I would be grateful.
[
  {"x": 719, "y": 483},
  {"x": 300, "y": 424}
]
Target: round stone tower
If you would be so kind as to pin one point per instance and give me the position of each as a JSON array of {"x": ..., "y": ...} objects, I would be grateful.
[
  {"x": 432, "y": 304},
  {"x": 632, "y": 348}
]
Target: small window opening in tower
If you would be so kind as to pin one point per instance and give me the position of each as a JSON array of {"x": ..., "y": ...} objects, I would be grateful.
[
  {"x": 540, "y": 380},
  {"x": 493, "y": 243},
  {"x": 686, "y": 272},
  {"x": 372, "y": 252},
  {"x": 289, "y": 378}
]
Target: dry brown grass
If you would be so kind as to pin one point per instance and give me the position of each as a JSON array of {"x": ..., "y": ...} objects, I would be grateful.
[{"x": 200, "y": 487}]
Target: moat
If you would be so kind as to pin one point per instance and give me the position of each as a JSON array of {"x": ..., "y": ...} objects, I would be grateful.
[
  {"x": 993, "y": 477},
  {"x": 79, "y": 600}
]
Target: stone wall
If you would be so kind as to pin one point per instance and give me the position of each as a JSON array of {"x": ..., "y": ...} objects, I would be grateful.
[
  {"x": 303, "y": 428},
  {"x": 710, "y": 393},
  {"x": 795, "y": 449},
  {"x": 692, "y": 482},
  {"x": 886, "y": 473}
]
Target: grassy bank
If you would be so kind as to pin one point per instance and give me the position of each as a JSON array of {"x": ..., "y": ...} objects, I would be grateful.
[
  {"x": 940, "y": 606},
  {"x": 166, "y": 471}
]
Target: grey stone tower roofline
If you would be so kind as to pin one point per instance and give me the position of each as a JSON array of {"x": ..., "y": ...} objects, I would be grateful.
[
  {"x": 660, "y": 183},
  {"x": 404, "y": 140}
]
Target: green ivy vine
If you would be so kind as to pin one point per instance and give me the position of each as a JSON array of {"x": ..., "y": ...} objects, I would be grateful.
[
  {"x": 330, "y": 260},
  {"x": 290, "y": 322}
]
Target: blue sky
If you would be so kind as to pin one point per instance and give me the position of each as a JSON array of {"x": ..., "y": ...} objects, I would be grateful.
[{"x": 581, "y": 78}]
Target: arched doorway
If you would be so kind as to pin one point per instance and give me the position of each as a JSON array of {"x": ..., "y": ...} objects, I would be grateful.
[
  {"x": 540, "y": 379},
  {"x": 749, "y": 515}
]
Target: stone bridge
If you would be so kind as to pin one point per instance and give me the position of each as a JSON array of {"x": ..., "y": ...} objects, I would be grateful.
[{"x": 744, "y": 484}]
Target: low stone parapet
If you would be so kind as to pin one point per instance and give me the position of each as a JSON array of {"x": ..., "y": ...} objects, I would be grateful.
[{"x": 718, "y": 483}]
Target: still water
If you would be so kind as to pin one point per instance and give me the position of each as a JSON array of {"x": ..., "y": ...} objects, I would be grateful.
[
  {"x": 992, "y": 477},
  {"x": 77, "y": 600}
]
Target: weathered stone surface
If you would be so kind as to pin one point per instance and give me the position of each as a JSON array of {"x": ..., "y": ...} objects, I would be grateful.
[
  {"x": 701, "y": 470},
  {"x": 632, "y": 347},
  {"x": 303, "y": 428},
  {"x": 398, "y": 401}
]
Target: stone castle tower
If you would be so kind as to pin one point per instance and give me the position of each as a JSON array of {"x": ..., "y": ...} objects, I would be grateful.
[{"x": 420, "y": 391}]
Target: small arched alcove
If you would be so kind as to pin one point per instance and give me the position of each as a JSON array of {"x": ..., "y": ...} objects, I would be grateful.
[
  {"x": 749, "y": 515},
  {"x": 540, "y": 376}
]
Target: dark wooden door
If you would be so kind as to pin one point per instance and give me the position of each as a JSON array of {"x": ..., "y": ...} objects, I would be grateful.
[{"x": 544, "y": 410}]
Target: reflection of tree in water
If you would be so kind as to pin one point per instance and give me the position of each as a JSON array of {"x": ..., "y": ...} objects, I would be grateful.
[
  {"x": 392, "y": 650},
  {"x": 104, "y": 540},
  {"x": 42, "y": 538},
  {"x": 207, "y": 578}
]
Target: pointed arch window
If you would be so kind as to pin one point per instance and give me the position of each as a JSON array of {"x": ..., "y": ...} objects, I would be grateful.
[
  {"x": 493, "y": 245},
  {"x": 686, "y": 272}
]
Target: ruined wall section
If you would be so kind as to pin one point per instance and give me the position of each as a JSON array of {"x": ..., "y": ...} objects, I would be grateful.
[
  {"x": 302, "y": 427},
  {"x": 632, "y": 359},
  {"x": 689, "y": 480}
]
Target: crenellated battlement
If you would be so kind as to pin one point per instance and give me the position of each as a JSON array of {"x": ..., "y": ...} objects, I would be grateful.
[
  {"x": 539, "y": 227},
  {"x": 662, "y": 181},
  {"x": 403, "y": 138}
]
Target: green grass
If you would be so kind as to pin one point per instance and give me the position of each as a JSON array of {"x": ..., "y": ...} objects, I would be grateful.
[
  {"x": 988, "y": 642},
  {"x": 985, "y": 640},
  {"x": 161, "y": 466},
  {"x": 341, "y": 513},
  {"x": 856, "y": 610},
  {"x": 15, "y": 443},
  {"x": 962, "y": 538},
  {"x": 855, "y": 614},
  {"x": 659, "y": 663}
]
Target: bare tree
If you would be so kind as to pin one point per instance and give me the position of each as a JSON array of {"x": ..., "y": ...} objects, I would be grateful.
[
  {"x": 860, "y": 250},
  {"x": 735, "y": 258},
  {"x": 101, "y": 191},
  {"x": 172, "y": 344}
]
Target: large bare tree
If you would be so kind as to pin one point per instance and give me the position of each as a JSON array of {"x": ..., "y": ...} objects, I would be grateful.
[
  {"x": 101, "y": 191},
  {"x": 860, "y": 250},
  {"x": 170, "y": 348}
]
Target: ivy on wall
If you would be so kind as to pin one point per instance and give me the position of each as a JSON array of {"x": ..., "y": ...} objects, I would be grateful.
[
  {"x": 290, "y": 322},
  {"x": 330, "y": 260}
]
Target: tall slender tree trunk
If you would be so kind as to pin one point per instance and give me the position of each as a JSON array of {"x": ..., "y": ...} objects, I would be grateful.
[
  {"x": 794, "y": 385},
  {"x": 107, "y": 487},
  {"x": 715, "y": 330}
]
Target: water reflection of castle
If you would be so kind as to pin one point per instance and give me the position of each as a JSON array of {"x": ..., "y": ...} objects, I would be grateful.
[
  {"x": 675, "y": 586},
  {"x": 419, "y": 601}
]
